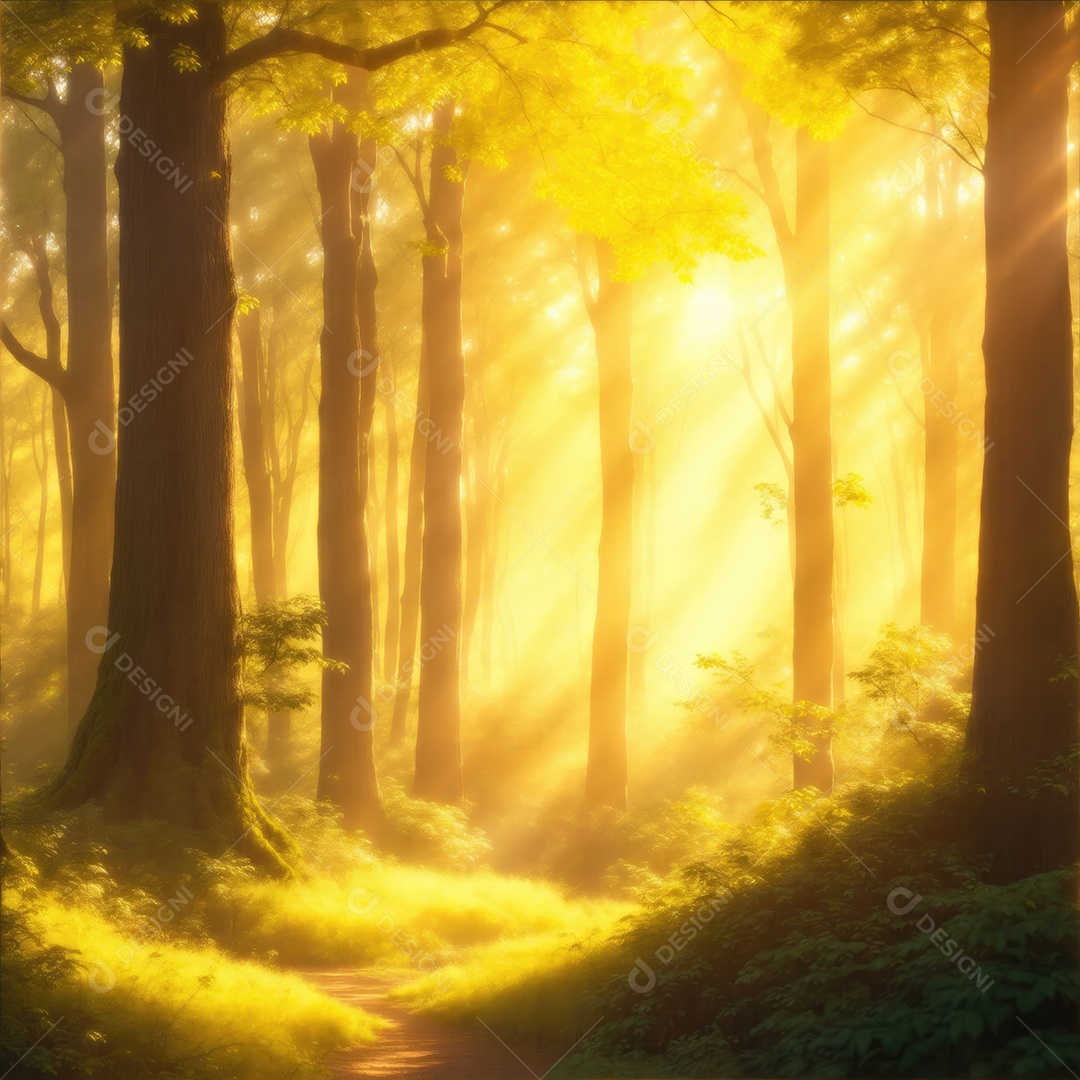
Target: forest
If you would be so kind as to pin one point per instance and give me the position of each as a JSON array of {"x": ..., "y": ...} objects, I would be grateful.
[{"x": 537, "y": 539}]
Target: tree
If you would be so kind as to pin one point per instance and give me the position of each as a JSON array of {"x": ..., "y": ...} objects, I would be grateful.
[
  {"x": 629, "y": 189},
  {"x": 1023, "y": 711},
  {"x": 410, "y": 581},
  {"x": 804, "y": 246},
  {"x": 346, "y": 403},
  {"x": 85, "y": 42},
  {"x": 438, "y": 734},
  {"x": 51, "y": 370},
  {"x": 174, "y": 602},
  {"x": 251, "y": 397}
]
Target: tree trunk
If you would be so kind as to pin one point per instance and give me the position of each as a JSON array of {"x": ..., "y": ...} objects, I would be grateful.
[
  {"x": 938, "y": 572},
  {"x": 62, "y": 450},
  {"x": 438, "y": 733},
  {"x": 393, "y": 553},
  {"x": 5, "y": 496},
  {"x": 347, "y": 766},
  {"x": 163, "y": 736},
  {"x": 253, "y": 445},
  {"x": 610, "y": 313},
  {"x": 477, "y": 513},
  {"x": 410, "y": 589},
  {"x": 89, "y": 394},
  {"x": 42, "y": 467},
  {"x": 372, "y": 517},
  {"x": 492, "y": 558},
  {"x": 1020, "y": 713},
  {"x": 804, "y": 254},
  {"x": 811, "y": 440}
]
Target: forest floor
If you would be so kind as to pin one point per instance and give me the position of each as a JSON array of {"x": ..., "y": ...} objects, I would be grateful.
[{"x": 418, "y": 1046}]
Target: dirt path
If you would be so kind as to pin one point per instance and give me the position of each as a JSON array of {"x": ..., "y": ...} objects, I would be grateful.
[{"x": 419, "y": 1047}]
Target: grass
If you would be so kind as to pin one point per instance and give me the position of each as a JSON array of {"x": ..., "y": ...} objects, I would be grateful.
[{"x": 139, "y": 1004}]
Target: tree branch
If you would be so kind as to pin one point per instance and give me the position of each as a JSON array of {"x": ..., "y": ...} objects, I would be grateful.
[
  {"x": 52, "y": 373},
  {"x": 281, "y": 41},
  {"x": 50, "y": 104},
  {"x": 757, "y": 124}
]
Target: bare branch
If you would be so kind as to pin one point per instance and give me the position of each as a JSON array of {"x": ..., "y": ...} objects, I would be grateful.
[{"x": 54, "y": 375}]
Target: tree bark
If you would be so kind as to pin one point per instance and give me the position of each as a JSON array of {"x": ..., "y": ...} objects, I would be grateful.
[
  {"x": 253, "y": 446},
  {"x": 1020, "y": 714},
  {"x": 804, "y": 255},
  {"x": 811, "y": 441},
  {"x": 89, "y": 394},
  {"x": 393, "y": 552},
  {"x": 410, "y": 588},
  {"x": 163, "y": 736},
  {"x": 610, "y": 314},
  {"x": 438, "y": 733},
  {"x": 347, "y": 766},
  {"x": 42, "y": 467},
  {"x": 938, "y": 571},
  {"x": 477, "y": 514}
]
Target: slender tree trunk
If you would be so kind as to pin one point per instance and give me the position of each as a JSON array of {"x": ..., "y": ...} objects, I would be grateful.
[
  {"x": 253, "y": 445},
  {"x": 373, "y": 516},
  {"x": 393, "y": 553},
  {"x": 62, "y": 450},
  {"x": 347, "y": 766},
  {"x": 1021, "y": 713},
  {"x": 903, "y": 539},
  {"x": 367, "y": 282},
  {"x": 492, "y": 557},
  {"x": 163, "y": 736},
  {"x": 811, "y": 440},
  {"x": 256, "y": 416},
  {"x": 804, "y": 254},
  {"x": 610, "y": 313},
  {"x": 42, "y": 466},
  {"x": 89, "y": 394},
  {"x": 438, "y": 733},
  {"x": 5, "y": 497},
  {"x": 477, "y": 513},
  {"x": 410, "y": 588},
  {"x": 938, "y": 572}
]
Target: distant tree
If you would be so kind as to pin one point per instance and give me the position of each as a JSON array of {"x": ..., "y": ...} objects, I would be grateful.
[
  {"x": 636, "y": 201},
  {"x": 82, "y": 41}
]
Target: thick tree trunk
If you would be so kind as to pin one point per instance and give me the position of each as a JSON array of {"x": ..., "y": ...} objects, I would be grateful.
[
  {"x": 253, "y": 445},
  {"x": 163, "y": 736},
  {"x": 88, "y": 393},
  {"x": 438, "y": 733},
  {"x": 1020, "y": 713},
  {"x": 610, "y": 313},
  {"x": 347, "y": 766},
  {"x": 410, "y": 587},
  {"x": 62, "y": 450},
  {"x": 811, "y": 440}
]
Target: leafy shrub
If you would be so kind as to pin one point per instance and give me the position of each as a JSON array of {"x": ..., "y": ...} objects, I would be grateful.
[{"x": 806, "y": 971}]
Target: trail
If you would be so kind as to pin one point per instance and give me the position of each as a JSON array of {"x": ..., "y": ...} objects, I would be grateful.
[{"x": 419, "y": 1047}]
